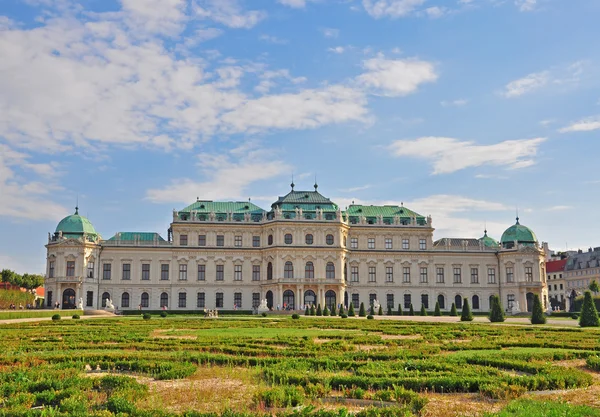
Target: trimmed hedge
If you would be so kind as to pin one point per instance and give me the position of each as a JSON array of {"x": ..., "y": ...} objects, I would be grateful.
[{"x": 186, "y": 312}]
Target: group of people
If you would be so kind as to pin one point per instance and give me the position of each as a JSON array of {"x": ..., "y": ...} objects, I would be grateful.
[
  {"x": 14, "y": 307},
  {"x": 56, "y": 305}
]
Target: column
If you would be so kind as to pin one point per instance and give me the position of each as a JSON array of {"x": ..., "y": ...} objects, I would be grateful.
[{"x": 280, "y": 289}]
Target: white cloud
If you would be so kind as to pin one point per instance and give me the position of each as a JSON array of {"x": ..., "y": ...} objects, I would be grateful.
[
  {"x": 435, "y": 12},
  {"x": 296, "y": 4},
  {"x": 268, "y": 80},
  {"x": 330, "y": 32},
  {"x": 547, "y": 122},
  {"x": 559, "y": 208},
  {"x": 449, "y": 155},
  {"x": 454, "y": 103},
  {"x": 557, "y": 77},
  {"x": 583, "y": 125},
  {"x": 228, "y": 13},
  {"x": 156, "y": 16},
  {"x": 526, "y": 5},
  {"x": 390, "y": 8},
  {"x": 396, "y": 77},
  {"x": 273, "y": 39},
  {"x": 527, "y": 84},
  {"x": 337, "y": 50},
  {"x": 203, "y": 35},
  {"x": 355, "y": 189},
  {"x": 227, "y": 176}
]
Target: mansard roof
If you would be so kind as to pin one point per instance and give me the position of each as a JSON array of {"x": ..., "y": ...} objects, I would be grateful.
[
  {"x": 141, "y": 236},
  {"x": 235, "y": 207},
  {"x": 304, "y": 198},
  {"x": 457, "y": 242}
]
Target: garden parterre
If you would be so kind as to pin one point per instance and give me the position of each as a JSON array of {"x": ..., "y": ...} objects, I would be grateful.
[{"x": 260, "y": 366}]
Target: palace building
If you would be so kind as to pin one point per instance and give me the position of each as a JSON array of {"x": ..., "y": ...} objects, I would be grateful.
[{"x": 304, "y": 250}]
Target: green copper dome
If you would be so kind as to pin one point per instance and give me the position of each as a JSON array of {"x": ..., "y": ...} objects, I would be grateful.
[
  {"x": 519, "y": 233},
  {"x": 75, "y": 226},
  {"x": 488, "y": 241}
]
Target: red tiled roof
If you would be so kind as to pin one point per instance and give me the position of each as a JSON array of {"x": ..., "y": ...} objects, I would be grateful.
[{"x": 556, "y": 266}]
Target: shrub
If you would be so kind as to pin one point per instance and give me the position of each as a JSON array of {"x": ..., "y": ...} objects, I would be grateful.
[
  {"x": 56, "y": 317},
  {"x": 589, "y": 314},
  {"x": 357, "y": 393},
  {"x": 342, "y": 311},
  {"x": 380, "y": 312},
  {"x": 285, "y": 396},
  {"x": 370, "y": 317},
  {"x": 117, "y": 405},
  {"x": 502, "y": 391},
  {"x": 75, "y": 317},
  {"x": 264, "y": 314},
  {"x": 399, "y": 312},
  {"x": 411, "y": 311},
  {"x": 390, "y": 312},
  {"x": 163, "y": 314},
  {"x": 313, "y": 310},
  {"x": 319, "y": 310},
  {"x": 362, "y": 312},
  {"x": 296, "y": 316},
  {"x": 372, "y": 310},
  {"x": 466, "y": 314},
  {"x": 453, "y": 311},
  {"x": 344, "y": 316},
  {"x": 537, "y": 315},
  {"x": 333, "y": 310},
  {"x": 147, "y": 316},
  {"x": 326, "y": 311},
  {"x": 351, "y": 312},
  {"x": 307, "y": 311},
  {"x": 575, "y": 316},
  {"x": 496, "y": 312},
  {"x": 423, "y": 311},
  {"x": 437, "y": 311}
]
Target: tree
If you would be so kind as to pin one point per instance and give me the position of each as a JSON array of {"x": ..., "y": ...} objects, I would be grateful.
[
  {"x": 351, "y": 312},
  {"x": 372, "y": 310},
  {"x": 496, "y": 312},
  {"x": 437, "y": 311},
  {"x": 341, "y": 312},
  {"x": 589, "y": 314},
  {"x": 466, "y": 314},
  {"x": 362, "y": 312},
  {"x": 313, "y": 311},
  {"x": 390, "y": 312},
  {"x": 453, "y": 311},
  {"x": 411, "y": 311},
  {"x": 11, "y": 277},
  {"x": 399, "y": 309},
  {"x": 594, "y": 287},
  {"x": 326, "y": 311},
  {"x": 333, "y": 310},
  {"x": 307, "y": 311},
  {"x": 32, "y": 281},
  {"x": 380, "y": 312},
  {"x": 423, "y": 311},
  {"x": 319, "y": 310},
  {"x": 537, "y": 314}
]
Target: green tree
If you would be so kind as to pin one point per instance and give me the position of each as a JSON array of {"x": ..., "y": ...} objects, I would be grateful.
[
  {"x": 537, "y": 314},
  {"x": 380, "y": 312},
  {"x": 342, "y": 311},
  {"x": 399, "y": 312},
  {"x": 496, "y": 312},
  {"x": 307, "y": 311},
  {"x": 313, "y": 310},
  {"x": 423, "y": 311},
  {"x": 372, "y": 310},
  {"x": 31, "y": 281},
  {"x": 11, "y": 277},
  {"x": 390, "y": 312},
  {"x": 437, "y": 311},
  {"x": 326, "y": 311},
  {"x": 589, "y": 314},
  {"x": 333, "y": 310},
  {"x": 411, "y": 311},
  {"x": 362, "y": 312},
  {"x": 453, "y": 311},
  {"x": 351, "y": 312},
  {"x": 466, "y": 314},
  {"x": 319, "y": 310},
  {"x": 594, "y": 287}
]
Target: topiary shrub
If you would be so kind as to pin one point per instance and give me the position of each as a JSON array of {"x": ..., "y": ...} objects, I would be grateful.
[
  {"x": 307, "y": 311},
  {"x": 319, "y": 310},
  {"x": 380, "y": 312},
  {"x": 423, "y": 311},
  {"x": 411, "y": 310},
  {"x": 437, "y": 311},
  {"x": 390, "y": 312},
  {"x": 351, "y": 312},
  {"x": 496, "y": 312},
  {"x": 334, "y": 311},
  {"x": 296, "y": 316},
  {"x": 344, "y": 316},
  {"x": 466, "y": 314},
  {"x": 537, "y": 314},
  {"x": 264, "y": 314},
  {"x": 453, "y": 311},
  {"x": 362, "y": 312},
  {"x": 575, "y": 316},
  {"x": 399, "y": 312},
  {"x": 75, "y": 317},
  {"x": 147, "y": 316},
  {"x": 56, "y": 317},
  {"x": 370, "y": 317},
  {"x": 163, "y": 314},
  {"x": 326, "y": 311},
  {"x": 589, "y": 314},
  {"x": 313, "y": 310},
  {"x": 342, "y": 311}
]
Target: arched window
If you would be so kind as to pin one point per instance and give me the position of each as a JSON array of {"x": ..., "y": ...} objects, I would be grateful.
[
  {"x": 309, "y": 297},
  {"x": 164, "y": 300},
  {"x": 145, "y": 300},
  {"x": 441, "y": 301},
  {"x": 329, "y": 239},
  {"x": 288, "y": 270},
  {"x": 330, "y": 270},
  {"x": 269, "y": 270},
  {"x": 309, "y": 239},
  {"x": 125, "y": 300},
  {"x": 270, "y": 240},
  {"x": 475, "y": 302},
  {"x": 288, "y": 239},
  {"x": 309, "y": 270},
  {"x": 288, "y": 300},
  {"x": 105, "y": 296},
  {"x": 330, "y": 299},
  {"x": 458, "y": 301}
]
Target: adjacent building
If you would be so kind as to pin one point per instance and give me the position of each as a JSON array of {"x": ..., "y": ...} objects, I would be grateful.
[{"x": 580, "y": 270}]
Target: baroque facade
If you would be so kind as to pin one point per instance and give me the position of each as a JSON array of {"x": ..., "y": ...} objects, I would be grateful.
[{"x": 304, "y": 250}]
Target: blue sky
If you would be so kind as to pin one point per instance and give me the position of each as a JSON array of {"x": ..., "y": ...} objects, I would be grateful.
[{"x": 465, "y": 110}]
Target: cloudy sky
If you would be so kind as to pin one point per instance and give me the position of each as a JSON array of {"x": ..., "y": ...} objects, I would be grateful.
[{"x": 462, "y": 109}]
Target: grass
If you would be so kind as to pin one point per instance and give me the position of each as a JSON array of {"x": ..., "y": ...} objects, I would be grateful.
[
  {"x": 27, "y": 314},
  {"x": 532, "y": 408}
]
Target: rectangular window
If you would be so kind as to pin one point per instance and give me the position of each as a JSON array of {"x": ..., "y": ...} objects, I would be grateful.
[
  {"x": 474, "y": 275},
  {"x": 106, "y": 271},
  {"x": 407, "y": 301},
  {"x": 256, "y": 241},
  {"x": 354, "y": 273},
  {"x": 371, "y": 243},
  {"x": 510, "y": 298},
  {"x": 220, "y": 273},
  {"x": 255, "y": 299},
  {"x": 49, "y": 299},
  {"x": 422, "y": 244},
  {"x": 255, "y": 272},
  {"x": 126, "y": 272},
  {"x": 529, "y": 274},
  {"x": 355, "y": 301},
  {"x": 201, "y": 272},
  {"x": 510, "y": 275},
  {"x": 439, "y": 275},
  {"x": 406, "y": 274},
  {"x": 372, "y": 298},
  {"x": 405, "y": 244},
  {"x": 164, "y": 272},
  {"x": 201, "y": 300},
  {"x": 561, "y": 286},
  {"x": 423, "y": 275},
  {"x": 70, "y": 268},
  {"x": 491, "y": 275},
  {"x": 182, "y": 300},
  {"x": 201, "y": 241},
  {"x": 182, "y": 240},
  {"x": 388, "y": 243},
  {"x": 89, "y": 299},
  {"x": 90, "y": 270},
  {"x": 237, "y": 241},
  {"x": 51, "y": 270},
  {"x": 425, "y": 301},
  {"x": 457, "y": 275},
  {"x": 353, "y": 243},
  {"x": 390, "y": 301},
  {"x": 220, "y": 240},
  {"x": 183, "y": 272},
  {"x": 237, "y": 273},
  {"x": 219, "y": 300},
  {"x": 237, "y": 300},
  {"x": 145, "y": 272},
  {"x": 372, "y": 275},
  {"x": 389, "y": 274}
]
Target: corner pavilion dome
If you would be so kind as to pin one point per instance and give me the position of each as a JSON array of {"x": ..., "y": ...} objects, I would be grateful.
[
  {"x": 521, "y": 234},
  {"x": 488, "y": 241},
  {"x": 75, "y": 226}
]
